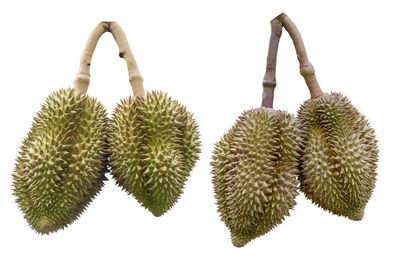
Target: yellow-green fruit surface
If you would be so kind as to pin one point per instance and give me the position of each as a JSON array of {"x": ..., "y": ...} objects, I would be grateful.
[
  {"x": 62, "y": 161},
  {"x": 339, "y": 155},
  {"x": 254, "y": 169},
  {"x": 154, "y": 146}
]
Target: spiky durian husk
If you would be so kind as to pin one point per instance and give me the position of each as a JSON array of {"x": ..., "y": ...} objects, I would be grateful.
[
  {"x": 339, "y": 155},
  {"x": 154, "y": 146},
  {"x": 62, "y": 163},
  {"x": 254, "y": 169}
]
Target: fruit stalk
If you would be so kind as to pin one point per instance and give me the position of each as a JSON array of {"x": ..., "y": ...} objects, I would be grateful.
[
  {"x": 82, "y": 79},
  {"x": 306, "y": 68},
  {"x": 269, "y": 81}
]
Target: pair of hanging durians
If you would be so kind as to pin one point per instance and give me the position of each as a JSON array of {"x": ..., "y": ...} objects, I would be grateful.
[{"x": 152, "y": 143}]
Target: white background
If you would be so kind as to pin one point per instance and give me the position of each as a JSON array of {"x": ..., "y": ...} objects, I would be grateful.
[{"x": 210, "y": 55}]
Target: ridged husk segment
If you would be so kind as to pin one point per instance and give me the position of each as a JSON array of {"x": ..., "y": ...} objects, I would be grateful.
[
  {"x": 62, "y": 161},
  {"x": 154, "y": 146},
  {"x": 254, "y": 169},
  {"x": 339, "y": 155}
]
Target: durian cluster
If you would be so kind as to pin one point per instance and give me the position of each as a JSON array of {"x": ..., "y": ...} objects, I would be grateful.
[
  {"x": 154, "y": 145},
  {"x": 330, "y": 147},
  {"x": 62, "y": 161},
  {"x": 254, "y": 171}
]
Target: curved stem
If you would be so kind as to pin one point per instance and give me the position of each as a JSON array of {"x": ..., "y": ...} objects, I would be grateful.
[
  {"x": 82, "y": 79},
  {"x": 135, "y": 78},
  {"x": 269, "y": 81},
  {"x": 306, "y": 68}
]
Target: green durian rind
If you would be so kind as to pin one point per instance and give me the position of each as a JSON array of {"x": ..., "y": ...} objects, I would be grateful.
[
  {"x": 339, "y": 155},
  {"x": 62, "y": 162},
  {"x": 254, "y": 169},
  {"x": 154, "y": 144}
]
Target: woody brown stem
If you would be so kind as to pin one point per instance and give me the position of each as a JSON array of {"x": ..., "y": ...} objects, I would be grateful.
[
  {"x": 82, "y": 79},
  {"x": 269, "y": 81},
  {"x": 306, "y": 68}
]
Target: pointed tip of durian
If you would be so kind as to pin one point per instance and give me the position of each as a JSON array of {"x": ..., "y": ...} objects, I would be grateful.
[
  {"x": 238, "y": 240},
  {"x": 238, "y": 244},
  {"x": 44, "y": 226},
  {"x": 157, "y": 213},
  {"x": 357, "y": 216}
]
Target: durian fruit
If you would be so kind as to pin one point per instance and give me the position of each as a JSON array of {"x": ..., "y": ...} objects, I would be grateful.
[
  {"x": 154, "y": 143},
  {"x": 154, "y": 146},
  {"x": 254, "y": 169},
  {"x": 339, "y": 150},
  {"x": 254, "y": 165},
  {"x": 339, "y": 155},
  {"x": 62, "y": 161}
]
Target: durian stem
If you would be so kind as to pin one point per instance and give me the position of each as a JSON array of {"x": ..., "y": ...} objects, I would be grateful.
[
  {"x": 82, "y": 79},
  {"x": 135, "y": 78},
  {"x": 269, "y": 81},
  {"x": 306, "y": 68}
]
